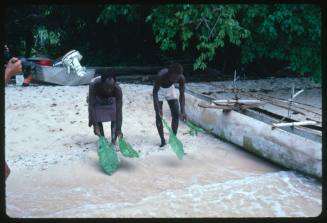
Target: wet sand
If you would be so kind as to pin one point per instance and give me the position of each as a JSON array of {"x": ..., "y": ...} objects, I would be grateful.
[{"x": 55, "y": 171}]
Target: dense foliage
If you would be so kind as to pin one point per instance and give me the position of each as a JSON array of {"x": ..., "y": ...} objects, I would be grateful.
[
  {"x": 255, "y": 37},
  {"x": 286, "y": 32}
]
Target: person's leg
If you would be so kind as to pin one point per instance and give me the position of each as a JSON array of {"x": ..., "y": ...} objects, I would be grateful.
[
  {"x": 160, "y": 126},
  {"x": 174, "y": 108},
  {"x": 113, "y": 132},
  {"x": 100, "y": 126}
]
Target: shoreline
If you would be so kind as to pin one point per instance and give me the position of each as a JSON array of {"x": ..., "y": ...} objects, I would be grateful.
[{"x": 55, "y": 170}]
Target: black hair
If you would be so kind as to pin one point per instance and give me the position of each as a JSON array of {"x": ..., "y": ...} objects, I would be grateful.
[
  {"x": 6, "y": 54},
  {"x": 176, "y": 68},
  {"x": 105, "y": 74}
]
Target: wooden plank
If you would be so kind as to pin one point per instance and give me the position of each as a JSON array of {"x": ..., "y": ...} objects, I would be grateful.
[
  {"x": 261, "y": 95},
  {"x": 281, "y": 108},
  {"x": 241, "y": 101},
  {"x": 282, "y": 103},
  {"x": 274, "y": 125},
  {"x": 306, "y": 107},
  {"x": 216, "y": 106}
]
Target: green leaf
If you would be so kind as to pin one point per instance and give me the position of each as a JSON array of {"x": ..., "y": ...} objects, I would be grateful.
[
  {"x": 193, "y": 127},
  {"x": 174, "y": 142},
  {"x": 126, "y": 149},
  {"x": 107, "y": 156}
]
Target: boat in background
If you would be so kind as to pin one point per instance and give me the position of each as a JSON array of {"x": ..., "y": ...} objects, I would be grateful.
[
  {"x": 65, "y": 71},
  {"x": 59, "y": 75}
]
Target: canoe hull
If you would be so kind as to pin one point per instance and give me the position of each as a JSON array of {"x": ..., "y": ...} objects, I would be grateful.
[{"x": 280, "y": 146}]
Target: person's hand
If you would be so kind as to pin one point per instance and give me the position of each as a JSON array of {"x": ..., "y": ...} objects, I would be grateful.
[
  {"x": 119, "y": 134},
  {"x": 183, "y": 117},
  {"x": 160, "y": 113},
  {"x": 13, "y": 67},
  {"x": 96, "y": 130}
]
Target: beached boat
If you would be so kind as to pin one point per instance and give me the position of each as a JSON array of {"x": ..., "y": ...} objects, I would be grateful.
[
  {"x": 66, "y": 71},
  {"x": 291, "y": 146},
  {"x": 60, "y": 75}
]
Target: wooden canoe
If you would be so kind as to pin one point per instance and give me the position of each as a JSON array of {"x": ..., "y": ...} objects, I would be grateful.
[{"x": 291, "y": 147}]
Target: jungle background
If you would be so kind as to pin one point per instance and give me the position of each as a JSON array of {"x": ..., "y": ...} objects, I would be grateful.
[{"x": 253, "y": 39}]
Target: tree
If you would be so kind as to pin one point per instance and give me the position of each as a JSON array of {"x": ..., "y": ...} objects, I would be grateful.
[
  {"x": 209, "y": 26},
  {"x": 289, "y": 32},
  {"x": 219, "y": 35},
  {"x": 20, "y": 22}
]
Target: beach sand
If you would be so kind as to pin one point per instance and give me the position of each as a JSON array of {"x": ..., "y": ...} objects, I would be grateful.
[{"x": 55, "y": 169}]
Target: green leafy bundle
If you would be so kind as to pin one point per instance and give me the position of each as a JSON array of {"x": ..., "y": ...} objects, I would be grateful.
[
  {"x": 107, "y": 156},
  {"x": 126, "y": 149},
  {"x": 194, "y": 129},
  {"x": 174, "y": 142}
]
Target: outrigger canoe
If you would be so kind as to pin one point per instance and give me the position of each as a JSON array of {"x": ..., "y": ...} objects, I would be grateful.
[{"x": 290, "y": 146}]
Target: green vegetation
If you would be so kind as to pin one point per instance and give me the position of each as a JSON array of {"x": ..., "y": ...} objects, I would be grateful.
[
  {"x": 250, "y": 37},
  {"x": 289, "y": 32}
]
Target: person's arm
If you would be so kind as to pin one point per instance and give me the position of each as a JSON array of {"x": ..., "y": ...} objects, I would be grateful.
[
  {"x": 182, "y": 97},
  {"x": 119, "y": 111},
  {"x": 156, "y": 88},
  {"x": 13, "y": 67},
  {"x": 91, "y": 102}
]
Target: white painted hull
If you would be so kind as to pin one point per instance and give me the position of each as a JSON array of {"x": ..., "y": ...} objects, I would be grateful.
[
  {"x": 280, "y": 146},
  {"x": 60, "y": 76}
]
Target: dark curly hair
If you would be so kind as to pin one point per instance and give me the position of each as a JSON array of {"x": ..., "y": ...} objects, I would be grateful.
[
  {"x": 176, "y": 68},
  {"x": 105, "y": 74}
]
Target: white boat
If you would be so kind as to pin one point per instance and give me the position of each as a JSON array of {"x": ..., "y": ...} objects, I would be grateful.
[{"x": 59, "y": 75}]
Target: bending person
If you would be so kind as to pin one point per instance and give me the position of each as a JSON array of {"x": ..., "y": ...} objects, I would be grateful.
[
  {"x": 164, "y": 89},
  {"x": 105, "y": 104}
]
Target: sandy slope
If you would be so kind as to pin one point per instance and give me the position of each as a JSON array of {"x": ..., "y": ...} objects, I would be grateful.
[{"x": 55, "y": 170}]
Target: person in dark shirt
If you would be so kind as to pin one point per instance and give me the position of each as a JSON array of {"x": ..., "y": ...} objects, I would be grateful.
[
  {"x": 105, "y": 104},
  {"x": 164, "y": 89}
]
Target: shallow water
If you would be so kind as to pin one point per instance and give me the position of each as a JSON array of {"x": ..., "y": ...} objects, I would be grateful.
[{"x": 279, "y": 194}]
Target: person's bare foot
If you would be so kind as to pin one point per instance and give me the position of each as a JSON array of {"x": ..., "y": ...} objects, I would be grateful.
[{"x": 163, "y": 143}]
